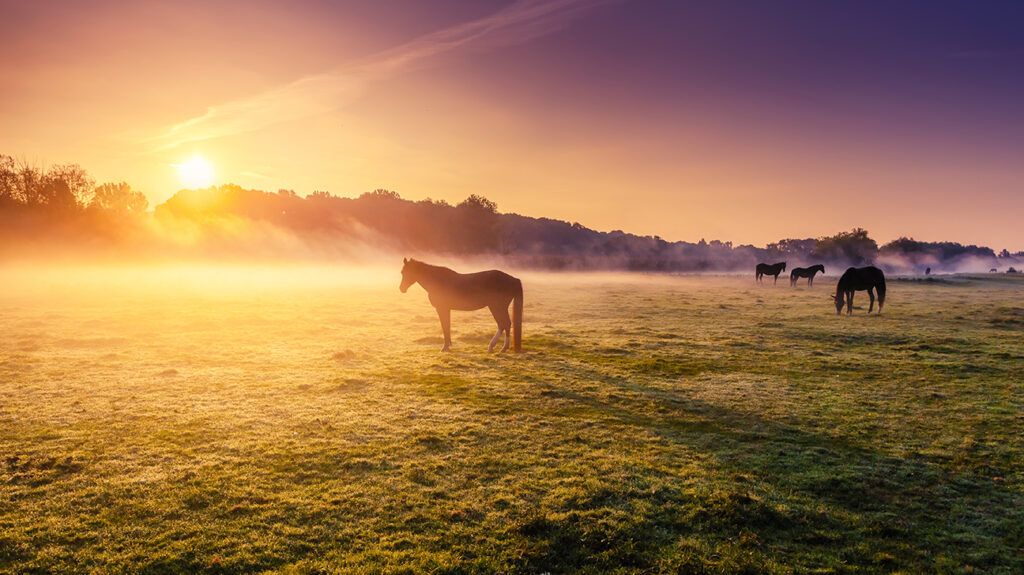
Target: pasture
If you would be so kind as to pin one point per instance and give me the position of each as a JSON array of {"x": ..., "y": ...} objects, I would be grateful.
[{"x": 176, "y": 420}]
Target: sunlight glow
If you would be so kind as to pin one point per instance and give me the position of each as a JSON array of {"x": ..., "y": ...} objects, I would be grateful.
[{"x": 196, "y": 172}]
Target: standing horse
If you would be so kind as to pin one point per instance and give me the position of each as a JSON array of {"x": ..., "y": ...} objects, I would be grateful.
[
  {"x": 448, "y": 290},
  {"x": 860, "y": 279},
  {"x": 769, "y": 270},
  {"x": 805, "y": 273}
]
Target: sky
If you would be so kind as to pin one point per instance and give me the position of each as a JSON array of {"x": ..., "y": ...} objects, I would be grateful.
[{"x": 734, "y": 120}]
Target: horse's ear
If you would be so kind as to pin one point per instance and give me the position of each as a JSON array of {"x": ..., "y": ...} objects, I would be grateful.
[{"x": 405, "y": 260}]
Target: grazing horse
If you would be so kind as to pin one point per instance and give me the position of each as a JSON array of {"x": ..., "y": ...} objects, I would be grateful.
[
  {"x": 805, "y": 273},
  {"x": 448, "y": 290},
  {"x": 769, "y": 270},
  {"x": 860, "y": 279}
]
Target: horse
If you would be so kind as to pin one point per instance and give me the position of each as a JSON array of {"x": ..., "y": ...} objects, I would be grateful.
[
  {"x": 449, "y": 290},
  {"x": 805, "y": 273},
  {"x": 859, "y": 279},
  {"x": 769, "y": 270}
]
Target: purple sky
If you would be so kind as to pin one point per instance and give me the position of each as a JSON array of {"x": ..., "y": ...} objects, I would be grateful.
[{"x": 743, "y": 121}]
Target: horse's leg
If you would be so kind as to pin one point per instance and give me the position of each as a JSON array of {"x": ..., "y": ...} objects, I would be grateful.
[
  {"x": 849, "y": 302},
  {"x": 445, "y": 315},
  {"x": 494, "y": 340},
  {"x": 871, "y": 294},
  {"x": 504, "y": 322}
]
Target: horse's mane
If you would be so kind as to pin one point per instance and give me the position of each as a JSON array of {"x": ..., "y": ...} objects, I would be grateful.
[{"x": 432, "y": 269}]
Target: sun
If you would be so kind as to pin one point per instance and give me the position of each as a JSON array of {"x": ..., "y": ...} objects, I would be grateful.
[{"x": 195, "y": 172}]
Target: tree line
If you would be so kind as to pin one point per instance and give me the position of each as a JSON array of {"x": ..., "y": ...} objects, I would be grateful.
[{"x": 63, "y": 206}]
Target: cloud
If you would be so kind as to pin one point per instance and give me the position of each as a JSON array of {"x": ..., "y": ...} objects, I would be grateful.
[{"x": 519, "y": 22}]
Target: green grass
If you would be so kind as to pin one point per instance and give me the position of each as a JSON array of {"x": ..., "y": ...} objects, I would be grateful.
[{"x": 155, "y": 422}]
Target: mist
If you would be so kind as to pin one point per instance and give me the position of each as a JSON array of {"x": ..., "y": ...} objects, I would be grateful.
[{"x": 59, "y": 214}]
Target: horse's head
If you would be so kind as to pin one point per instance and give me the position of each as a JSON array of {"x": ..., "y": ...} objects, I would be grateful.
[
  {"x": 408, "y": 274},
  {"x": 783, "y": 266},
  {"x": 839, "y": 303}
]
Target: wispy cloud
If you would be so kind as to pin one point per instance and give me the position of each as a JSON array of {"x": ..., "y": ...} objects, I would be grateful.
[{"x": 519, "y": 22}]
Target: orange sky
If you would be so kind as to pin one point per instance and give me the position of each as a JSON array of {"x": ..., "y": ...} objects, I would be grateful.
[{"x": 596, "y": 112}]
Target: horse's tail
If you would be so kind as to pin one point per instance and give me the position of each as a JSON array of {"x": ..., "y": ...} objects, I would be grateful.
[
  {"x": 517, "y": 318},
  {"x": 880, "y": 288}
]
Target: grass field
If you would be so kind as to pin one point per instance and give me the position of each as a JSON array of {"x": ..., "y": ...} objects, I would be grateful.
[{"x": 300, "y": 421}]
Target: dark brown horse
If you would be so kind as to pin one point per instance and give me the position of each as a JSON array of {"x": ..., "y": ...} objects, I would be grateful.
[
  {"x": 860, "y": 279},
  {"x": 805, "y": 273},
  {"x": 769, "y": 270},
  {"x": 448, "y": 290}
]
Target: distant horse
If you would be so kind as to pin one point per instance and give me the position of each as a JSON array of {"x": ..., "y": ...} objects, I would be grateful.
[
  {"x": 993, "y": 271},
  {"x": 448, "y": 290},
  {"x": 860, "y": 279},
  {"x": 805, "y": 273},
  {"x": 769, "y": 270}
]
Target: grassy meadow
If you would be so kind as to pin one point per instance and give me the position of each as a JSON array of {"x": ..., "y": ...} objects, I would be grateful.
[{"x": 297, "y": 420}]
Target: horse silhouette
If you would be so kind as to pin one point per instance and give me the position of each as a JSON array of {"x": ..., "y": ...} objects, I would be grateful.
[
  {"x": 449, "y": 290},
  {"x": 769, "y": 270},
  {"x": 868, "y": 278},
  {"x": 805, "y": 273}
]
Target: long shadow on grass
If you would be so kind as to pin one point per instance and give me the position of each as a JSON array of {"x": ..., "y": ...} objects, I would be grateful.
[{"x": 802, "y": 498}]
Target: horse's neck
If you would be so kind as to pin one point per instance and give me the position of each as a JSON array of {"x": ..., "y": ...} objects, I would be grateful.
[{"x": 432, "y": 277}]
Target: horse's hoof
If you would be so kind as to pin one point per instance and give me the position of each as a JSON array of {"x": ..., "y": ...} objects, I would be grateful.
[{"x": 446, "y": 348}]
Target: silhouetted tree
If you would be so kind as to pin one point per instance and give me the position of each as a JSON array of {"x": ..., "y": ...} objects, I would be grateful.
[
  {"x": 35, "y": 202},
  {"x": 854, "y": 247},
  {"x": 66, "y": 187},
  {"x": 381, "y": 194},
  {"x": 62, "y": 188},
  {"x": 119, "y": 198},
  {"x": 477, "y": 225},
  {"x": 793, "y": 248},
  {"x": 8, "y": 181},
  {"x": 479, "y": 203}
]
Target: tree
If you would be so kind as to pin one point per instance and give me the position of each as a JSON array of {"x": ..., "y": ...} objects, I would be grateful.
[
  {"x": 20, "y": 182},
  {"x": 118, "y": 198},
  {"x": 793, "y": 247},
  {"x": 854, "y": 247},
  {"x": 8, "y": 180},
  {"x": 477, "y": 227},
  {"x": 65, "y": 187},
  {"x": 477, "y": 202},
  {"x": 381, "y": 194}
]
